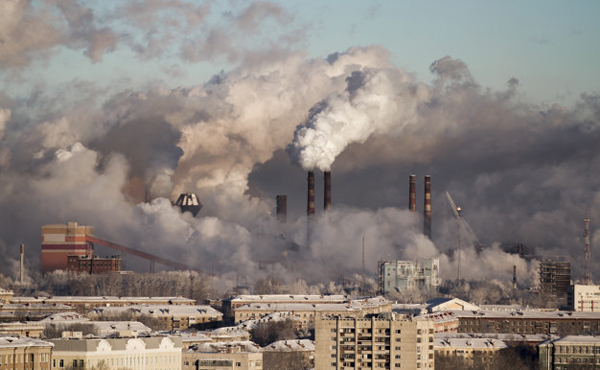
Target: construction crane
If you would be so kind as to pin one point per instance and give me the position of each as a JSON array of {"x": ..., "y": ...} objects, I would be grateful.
[{"x": 464, "y": 225}]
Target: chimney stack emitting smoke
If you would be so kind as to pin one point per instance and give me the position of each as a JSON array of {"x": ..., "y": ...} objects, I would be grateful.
[
  {"x": 427, "y": 210},
  {"x": 282, "y": 208},
  {"x": 310, "y": 204},
  {"x": 412, "y": 193},
  {"x": 327, "y": 196},
  {"x": 21, "y": 264}
]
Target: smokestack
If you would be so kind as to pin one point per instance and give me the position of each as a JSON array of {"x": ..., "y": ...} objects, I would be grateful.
[
  {"x": 412, "y": 193},
  {"x": 514, "y": 277},
  {"x": 281, "y": 208},
  {"x": 327, "y": 197},
  {"x": 310, "y": 206},
  {"x": 21, "y": 264},
  {"x": 427, "y": 210}
]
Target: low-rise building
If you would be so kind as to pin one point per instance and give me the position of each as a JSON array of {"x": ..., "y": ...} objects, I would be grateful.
[
  {"x": 472, "y": 350},
  {"x": 26, "y": 329},
  {"x": 84, "y": 304},
  {"x": 35, "y": 311},
  {"x": 308, "y": 311},
  {"x": 169, "y": 317},
  {"x": 144, "y": 353},
  {"x": 23, "y": 353},
  {"x": 231, "y": 304},
  {"x": 584, "y": 298},
  {"x": 384, "y": 341},
  {"x": 570, "y": 352},
  {"x": 5, "y": 296},
  {"x": 230, "y": 356},
  {"x": 300, "y": 351}
]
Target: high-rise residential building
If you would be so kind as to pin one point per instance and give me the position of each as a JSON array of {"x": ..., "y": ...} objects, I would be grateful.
[
  {"x": 384, "y": 341},
  {"x": 408, "y": 275}
]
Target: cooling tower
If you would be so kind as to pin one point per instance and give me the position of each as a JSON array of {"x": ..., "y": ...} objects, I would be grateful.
[
  {"x": 327, "y": 197},
  {"x": 427, "y": 209}
]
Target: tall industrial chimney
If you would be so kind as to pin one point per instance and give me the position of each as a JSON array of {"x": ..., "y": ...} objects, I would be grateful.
[
  {"x": 412, "y": 193},
  {"x": 514, "y": 278},
  {"x": 310, "y": 205},
  {"x": 21, "y": 264},
  {"x": 327, "y": 197},
  {"x": 427, "y": 209},
  {"x": 281, "y": 208}
]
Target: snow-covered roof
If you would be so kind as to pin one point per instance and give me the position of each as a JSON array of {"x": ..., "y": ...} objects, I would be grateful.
[
  {"x": 528, "y": 314},
  {"x": 296, "y": 345},
  {"x": 272, "y": 317},
  {"x": 471, "y": 343},
  {"x": 159, "y": 310},
  {"x": 506, "y": 337},
  {"x": 110, "y": 327},
  {"x": 445, "y": 304},
  {"x": 11, "y": 341},
  {"x": 290, "y": 298},
  {"x": 353, "y": 305},
  {"x": 68, "y": 317},
  {"x": 244, "y": 346},
  {"x": 578, "y": 339},
  {"x": 103, "y": 299}
]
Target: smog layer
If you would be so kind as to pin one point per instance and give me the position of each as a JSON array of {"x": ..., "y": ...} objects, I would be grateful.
[{"x": 81, "y": 151}]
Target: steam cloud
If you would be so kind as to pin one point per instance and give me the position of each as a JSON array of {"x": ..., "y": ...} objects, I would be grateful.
[{"x": 82, "y": 153}]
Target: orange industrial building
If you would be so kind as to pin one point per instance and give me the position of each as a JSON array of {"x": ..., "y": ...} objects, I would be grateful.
[{"x": 61, "y": 241}]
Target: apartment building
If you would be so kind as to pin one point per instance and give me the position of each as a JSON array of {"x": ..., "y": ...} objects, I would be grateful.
[
  {"x": 382, "y": 341},
  {"x": 22, "y": 353},
  {"x": 570, "y": 352},
  {"x": 584, "y": 298},
  {"x": 229, "y": 357}
]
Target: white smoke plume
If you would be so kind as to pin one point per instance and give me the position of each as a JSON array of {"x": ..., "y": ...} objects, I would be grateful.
[
  {"x": 375, "y": 101},
  {"x": 81, "y": 152}
]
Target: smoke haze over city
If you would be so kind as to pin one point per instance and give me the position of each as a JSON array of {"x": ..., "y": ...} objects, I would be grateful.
[{"x": 91, "y": 145}]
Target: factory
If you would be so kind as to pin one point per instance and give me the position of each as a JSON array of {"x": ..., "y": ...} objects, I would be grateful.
[{"x": 406, "y": 275}]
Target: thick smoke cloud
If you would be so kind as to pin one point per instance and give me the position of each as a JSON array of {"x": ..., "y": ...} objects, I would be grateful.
[{"x": 521, "y": 173}]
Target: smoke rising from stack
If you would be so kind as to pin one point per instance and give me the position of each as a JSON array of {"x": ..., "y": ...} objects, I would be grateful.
[
  {"x": 427, "y": 207},
  {"x": 225, "y": 140},
  {"x": 310, "y": 199},
  {"x": 327, "y": 191}
]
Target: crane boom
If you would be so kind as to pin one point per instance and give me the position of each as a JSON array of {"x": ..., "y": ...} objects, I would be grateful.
[{"x": 462, "y": 222}]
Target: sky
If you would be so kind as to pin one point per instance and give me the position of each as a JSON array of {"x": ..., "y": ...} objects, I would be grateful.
[{"x": 105, "y": 103}]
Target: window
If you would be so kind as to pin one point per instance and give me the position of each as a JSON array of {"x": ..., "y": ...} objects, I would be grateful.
[
  {"x": 61, "y": 363},
  {"x": 74, "y": 363},
  {"x": 238, "y": 364}
]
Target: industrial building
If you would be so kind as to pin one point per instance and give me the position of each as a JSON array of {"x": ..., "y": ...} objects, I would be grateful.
[
  {"x": 93, "y": 264},
  {"x": 407, "y": 275},
  {"x": 378, "y": 342},
  {"x": 555, "y": 280},
  {"x": 61, "y": 241},
  {"x": 481, "y": 351},
  {"x": 584, "y": 298}
]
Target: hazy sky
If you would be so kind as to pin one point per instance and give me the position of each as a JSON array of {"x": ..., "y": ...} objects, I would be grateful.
[
  {"x": 104, "y": 102},
  {"x": 551, "y": 47}
]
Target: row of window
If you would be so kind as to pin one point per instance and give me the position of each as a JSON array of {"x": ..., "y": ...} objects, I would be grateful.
[
  {"x": 148, "y": 360},
  {"x": 20, "y": 358}
]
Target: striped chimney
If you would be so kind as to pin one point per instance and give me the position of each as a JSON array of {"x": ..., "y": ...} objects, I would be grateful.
[
  {"x": 412, "y": 194},
  {"x": 427, "y": 211},
  {"x": 327, "y": 197},
  {"x": 281, "y": 208},
  {"x": 310, "y": 205}
]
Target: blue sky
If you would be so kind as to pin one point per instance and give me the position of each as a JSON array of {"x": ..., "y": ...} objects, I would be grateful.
[{"x": 551, "y": 47}]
